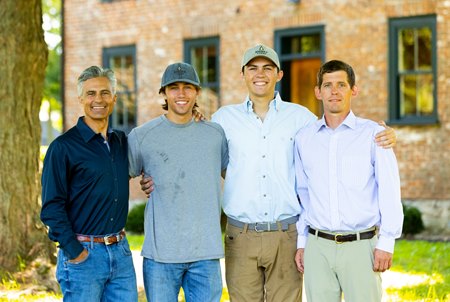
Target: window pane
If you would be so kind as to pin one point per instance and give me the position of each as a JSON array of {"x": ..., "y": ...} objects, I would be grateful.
[
  {"x": 416, "y": 95},
  {"x": 197, "y": 61},
  {"x": 203, "y": 54},
  {"x": 408, "y": 86},
  {"x": 301, "y": 44},
  {"x": 121, "y": 61},
  {"x": 424, "y": 48},
  {"x": 425, "y": 94},
  {"x": 406, "y": 49},
  {"x": 211, "y": 64}
]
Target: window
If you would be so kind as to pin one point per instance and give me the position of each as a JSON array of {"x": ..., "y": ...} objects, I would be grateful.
[
  {"x": 301, "y": 52},
  {"x": 122, "y": 60},
  {"x": 203, "y": 54},
  {"x": 412, "y": 70}
]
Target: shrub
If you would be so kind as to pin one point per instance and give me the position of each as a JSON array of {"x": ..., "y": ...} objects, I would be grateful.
[
  {"x": 135, "y": 222},
  {"x": 412, "y": 223}
]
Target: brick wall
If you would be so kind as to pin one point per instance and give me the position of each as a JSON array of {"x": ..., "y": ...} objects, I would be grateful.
[{"x": 356, "y": 31}]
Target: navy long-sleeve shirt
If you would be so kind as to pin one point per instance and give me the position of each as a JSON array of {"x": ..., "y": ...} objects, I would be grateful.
[{"x": 84, "y": 186}]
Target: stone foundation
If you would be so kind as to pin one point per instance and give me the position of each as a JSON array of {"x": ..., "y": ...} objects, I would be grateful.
[{"x": 435, "y": 216}]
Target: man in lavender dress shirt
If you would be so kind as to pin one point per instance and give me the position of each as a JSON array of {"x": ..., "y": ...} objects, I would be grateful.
[{"x": 349, "y": 191}]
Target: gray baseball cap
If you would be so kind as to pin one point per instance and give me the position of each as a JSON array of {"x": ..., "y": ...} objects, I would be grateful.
[
  {"x": 180, "y": 72},
  {"x": 260, "y": 50}
]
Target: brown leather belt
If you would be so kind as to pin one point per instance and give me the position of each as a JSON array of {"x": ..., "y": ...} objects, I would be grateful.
[
  {"x": 107, "y": 240},
  {"x": 340, "y": 238}
]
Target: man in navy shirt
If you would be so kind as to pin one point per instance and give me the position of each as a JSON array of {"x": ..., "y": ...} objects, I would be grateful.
[{"x": 85, "y": 199}]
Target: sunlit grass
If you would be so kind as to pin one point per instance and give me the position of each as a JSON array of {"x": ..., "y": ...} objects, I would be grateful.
[
  {"x": 421, "y": 270},
  {"x": 135, "y": 241}
]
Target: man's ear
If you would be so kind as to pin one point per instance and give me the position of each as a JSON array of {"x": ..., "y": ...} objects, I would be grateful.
[
  {"x": 317, "y": 93},
  {"x": 355, "y": 90},
  {"x": 280, "y": 75}
]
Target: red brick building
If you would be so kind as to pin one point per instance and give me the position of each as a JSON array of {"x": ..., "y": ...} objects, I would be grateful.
[{"x": 400, "y": 50}]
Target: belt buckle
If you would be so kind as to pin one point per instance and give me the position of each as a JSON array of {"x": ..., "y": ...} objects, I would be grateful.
[
  {"x": 259, "y": 231},
  {"x": 109, "y": 239},
  {"x": 337, "y": 240}
]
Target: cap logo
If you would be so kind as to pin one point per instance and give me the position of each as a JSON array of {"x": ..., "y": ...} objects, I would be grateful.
[
  {"x": 261, "y": 51},
  {"x": 180, "y": 71}
]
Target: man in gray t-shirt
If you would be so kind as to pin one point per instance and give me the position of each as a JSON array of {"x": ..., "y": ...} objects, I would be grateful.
[{"x": 183, "y": 242}]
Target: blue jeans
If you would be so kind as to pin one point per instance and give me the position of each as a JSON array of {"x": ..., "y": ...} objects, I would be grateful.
[
  {"x": 201, "y": 281},
  {"x": 107, "y": 274}
]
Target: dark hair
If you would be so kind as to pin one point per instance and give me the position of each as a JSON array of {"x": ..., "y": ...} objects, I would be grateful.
[
  {"x": 165, "y": 106},
  {"x": 336, "y": 65}
]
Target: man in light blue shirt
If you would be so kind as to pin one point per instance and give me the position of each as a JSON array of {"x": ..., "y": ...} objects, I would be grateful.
[
  {"x": 348, "y": 189},
  {"x": 259, "y": 192}
]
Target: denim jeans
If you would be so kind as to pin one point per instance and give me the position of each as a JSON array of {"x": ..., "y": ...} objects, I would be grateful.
[
  {"x": 201, "y": 281},
  {"x": 106, "y": 275}
]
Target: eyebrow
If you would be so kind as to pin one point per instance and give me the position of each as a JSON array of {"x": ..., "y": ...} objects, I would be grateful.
[{"x": 265, "y": 65}]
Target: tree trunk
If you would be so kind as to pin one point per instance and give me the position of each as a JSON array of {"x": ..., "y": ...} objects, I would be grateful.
[{"x": 23, "y": 58}]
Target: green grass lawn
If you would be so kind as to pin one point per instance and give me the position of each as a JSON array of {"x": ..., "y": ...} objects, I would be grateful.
[
  {"x": 423, "y": 269},
  {"x": 422, "y": 260},
  {"x": 416, "y": 260}
]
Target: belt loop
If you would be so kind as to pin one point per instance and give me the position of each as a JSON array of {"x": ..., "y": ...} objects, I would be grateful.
[
  {"x": 279, "y": 226},
  {"x": 92, "y": 242},
  {"x": 358, "y": 236},
  {"x": 245, "y": 228},
  {"x": 316, "y": 233}
]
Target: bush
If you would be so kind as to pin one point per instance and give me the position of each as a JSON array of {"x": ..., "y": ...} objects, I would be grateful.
[
  {"x": 412, "y": 223},
  {"x": 135, "y": 222}
]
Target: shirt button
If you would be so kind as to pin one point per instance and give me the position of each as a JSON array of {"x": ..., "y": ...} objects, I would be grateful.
[
  {"x": 265, "y": 195},
  {"x": 115, "y": 200},
  {"x": 264, "y": 176},
  {"x": 264, "y": 137},
  {"x": 112, "y": 219},
  {"x": 265, "y": 214},
  {"x": 263, "y": 156}
]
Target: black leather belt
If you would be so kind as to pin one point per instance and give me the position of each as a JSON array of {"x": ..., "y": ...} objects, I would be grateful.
[
  {"x": 340, "y": 238},
  {"x": 281, "y": 225}
]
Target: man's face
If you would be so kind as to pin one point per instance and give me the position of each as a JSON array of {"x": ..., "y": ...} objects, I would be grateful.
[
  {"x": 336, "y": 93},
  {"x": 97, "y": 99},
  {"x": 261, "y": 76},
  {"x": 181, "y": 98}
]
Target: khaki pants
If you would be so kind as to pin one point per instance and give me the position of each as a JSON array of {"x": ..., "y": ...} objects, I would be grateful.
[
  {"x": 332, "y": 268},
  {"x": 260, "y": 266}
]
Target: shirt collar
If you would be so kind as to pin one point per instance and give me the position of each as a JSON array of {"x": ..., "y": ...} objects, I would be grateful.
[
  {"x": 349, "y": 121},
  {"x": 276, "y": 103},
  {"x": 86, "y": 132}
]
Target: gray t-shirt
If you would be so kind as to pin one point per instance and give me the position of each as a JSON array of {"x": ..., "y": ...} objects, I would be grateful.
[{"x": 182, "y": 216}]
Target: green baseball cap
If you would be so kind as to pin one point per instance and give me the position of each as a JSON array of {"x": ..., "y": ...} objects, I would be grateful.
[
  {"x": 260, "y": 50},
  {"x": 180, "y": 72}
]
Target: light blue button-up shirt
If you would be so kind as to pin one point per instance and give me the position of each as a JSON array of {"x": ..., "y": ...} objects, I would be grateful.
[
  {"x": 346, "y": 182},
  {"x": 260, "y": 179}
]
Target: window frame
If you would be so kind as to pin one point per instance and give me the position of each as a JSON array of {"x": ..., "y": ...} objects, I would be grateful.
[
  {"x": 188, "y": 44},
  {"x": 297, "y": 32},
  {"x": 396, "y": 24},
  {"x": 116, "y": 51}
]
